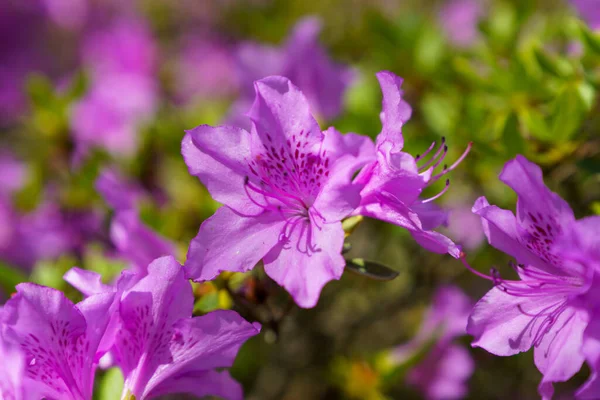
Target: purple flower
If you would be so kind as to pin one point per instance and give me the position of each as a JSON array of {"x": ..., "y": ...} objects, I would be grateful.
[
  {"x": 465, "y": 227},
  {"x": 123, "y": 91},
  {"x": 590, "y": 11},
  {"x": 137, "y": 243},
  {"x": 12, "y": 174},
  {"x": 303, "y": 61},
  {"x": 459, "y": 19},
  {"x": 118, "y": 192},
  {"x": 205, "y": 69},
  {"x": 443, "y": 373},
  {"x": 285, "y": 187},
  {"x": 548, "y": 307},
  {"x": 59, "y": 339},
  {"x": 394, "y": 182},
  {"x": 43, "y": 234},
  {"x": 161, "y": 349}
]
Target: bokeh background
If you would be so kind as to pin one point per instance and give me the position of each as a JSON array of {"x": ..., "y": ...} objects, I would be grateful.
[{"x": 92, "y": 87}]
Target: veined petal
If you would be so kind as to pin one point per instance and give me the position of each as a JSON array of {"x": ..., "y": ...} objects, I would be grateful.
[
  {"x": 505, "y": 324},
  {"x": 526, "y": 179},
  {"x": 500, "y": 228},
  {"x": 229, "y": 242},
  {"x": 303, "y": 271},
  {"x": 198, "y": 345},
  {"x": 219, "y": 157},
  {"x": 281, "y": 113}
]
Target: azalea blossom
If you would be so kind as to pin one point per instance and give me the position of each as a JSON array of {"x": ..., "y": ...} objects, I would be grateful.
[
  {"x": 548, "y": 307},
  {"x": 58, "y": 339},
  {"x": 161, "y": 349},
  {"x": 285, "y": 187},
  {"x": 443, "y": 372},
  {"x": 394, "y": 181}
]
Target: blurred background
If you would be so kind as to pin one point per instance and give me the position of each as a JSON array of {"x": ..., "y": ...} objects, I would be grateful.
[{"x": 95, "y": 96}]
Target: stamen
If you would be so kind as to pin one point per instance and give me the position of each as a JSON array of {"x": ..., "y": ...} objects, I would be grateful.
[
  {"x": 440, "y": 194},
  {"x": 435, "y": 156},
  {"x": 454, "y": 165},
  {"x": 418, "y": 157}
]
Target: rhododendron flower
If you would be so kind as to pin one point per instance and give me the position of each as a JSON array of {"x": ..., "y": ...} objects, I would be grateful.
[
  {"x": 123, "y": 92},
  {"x": 285, "y": 187},
  {"x": 303, "y": 61},
  {"x": 459, "y": 19},
  {"x": 548, "y": 307},
  {"x": 442, "y": 374},
  {"x": 394, "y": 182},
  {"x": 59, "y": 341},
  {"x": 161, "y": 349}
]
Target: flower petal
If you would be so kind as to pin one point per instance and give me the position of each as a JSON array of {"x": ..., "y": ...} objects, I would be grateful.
[
  {"x": 304, "y": 272},
  {"x": 87, "y": 282},
  {"x": 198, "y": 345},
  {"x": 136, "y": 242},
  {"x": 201, "y": 384},
  {"x": 504, "y": 324},
  {"x": 395, "y": 111},
  {"x": 591, "y": 350},
  {"x": 219, "y": 157},
  {"x": 500, "y": 228},
  {"x": 281, "y": 113},
  {"x": 229, "y": 242},
  {"x": 559, "y": 356}
]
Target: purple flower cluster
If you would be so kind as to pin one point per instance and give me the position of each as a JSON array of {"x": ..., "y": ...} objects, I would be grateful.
[
  {"x": 553, "y": 304},
  {"x": 51, "y": 347}
]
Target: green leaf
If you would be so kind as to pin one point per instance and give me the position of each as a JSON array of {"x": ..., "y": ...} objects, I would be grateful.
[
  {"x": 111, "y": 385},
  {"x": 371, "y": 269},
  {"x": 440, "y": 112},
  {"x": 568, "y": 112},
  {"x": 429, "y": 49},
  {"x": 534, "y": 122},
  {"x": 207, "y": 303},
  {"x": 40, "y": 90},
  {"x": 592, "y": 39},
  {"x": 10, "y": 277},
  {"x": 554, "y": 65},
  {"x": 513, "y": 141}
]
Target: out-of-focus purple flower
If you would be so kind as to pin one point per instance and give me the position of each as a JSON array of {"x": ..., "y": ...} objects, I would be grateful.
[
  {"x": 118, "y": 192},
  {"x": 285, "y": 188},
  {"x": 123, "y": 93},
  {"x": 22, "y": 51},
  {"x": 303, "y": 61},
  {"x": 445, "y": 370},
  {"x": 589, "y": 10},
  {"x": 59, "y": 339},
  {"x": 161, "y": 349},
  {"x": 133, "y": 240},
  {"x": 137, "y": 243},
  {"x": 465, "y": 227},
  {"x": 459, "y": 19},
  {"x": 12, "y": 174},
  {"x": 205, "y": 70},
  {"x": 393, "y": 182},
  {"x": 68, "y": 14},
  {"x": 548, "y": 308}
]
